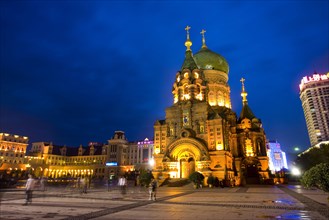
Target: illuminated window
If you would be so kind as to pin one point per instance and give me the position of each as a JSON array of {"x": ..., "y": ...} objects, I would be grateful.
[
  {"x": 249, "y": 150},
  {"x": 186, "y": 92},
  {"x": 212, "y": 100}
]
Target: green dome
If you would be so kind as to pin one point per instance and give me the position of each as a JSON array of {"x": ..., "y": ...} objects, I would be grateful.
[{"x": 206, "y": 59}]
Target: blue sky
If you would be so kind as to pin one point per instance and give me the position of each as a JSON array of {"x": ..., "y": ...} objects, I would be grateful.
[{"x": 76, "y": 71}]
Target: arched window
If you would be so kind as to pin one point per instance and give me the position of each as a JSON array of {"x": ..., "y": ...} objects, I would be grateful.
[
  {"x": 212, "y": 99},
  {"x": 186, "y": 92},
  {"x": 198, "y": 93}
]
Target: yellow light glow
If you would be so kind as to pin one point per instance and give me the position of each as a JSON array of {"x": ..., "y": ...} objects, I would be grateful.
[
  {"x": 199, "y": 96},
  {"x": 173, "y": 174},
  {"x": 157, "y": 150},
  {"x": 219, "y": 147},
  {"x": 186, "y": 96},
  {"x": 249, "y": 150}
]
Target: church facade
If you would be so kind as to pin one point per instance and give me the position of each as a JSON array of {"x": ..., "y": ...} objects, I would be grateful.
[{"x": 201, "y": 132}]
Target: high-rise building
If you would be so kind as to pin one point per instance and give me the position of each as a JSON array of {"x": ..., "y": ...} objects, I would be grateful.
[
  {"x": 201, "y": 132},
  {"x": 314, "y": 94}
]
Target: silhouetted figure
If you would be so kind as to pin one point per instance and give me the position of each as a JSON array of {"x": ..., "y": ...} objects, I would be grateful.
[
  {"x": 152, "y": 189},
  {"x": 29, "y": 187}
]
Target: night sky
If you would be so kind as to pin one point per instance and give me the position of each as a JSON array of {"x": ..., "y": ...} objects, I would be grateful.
[{"x": 76, "y": 71}]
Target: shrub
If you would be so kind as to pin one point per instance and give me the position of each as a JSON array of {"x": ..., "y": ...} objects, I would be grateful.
[
  {"x": 145, "y": 177},
  {"x": 211, "y": 180},
  {"x": 196, "y": 177},
  {"x": 317, "y": 176}
]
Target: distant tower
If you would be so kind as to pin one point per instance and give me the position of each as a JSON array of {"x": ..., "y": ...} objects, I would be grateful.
[{"x": 314, "y": 94}]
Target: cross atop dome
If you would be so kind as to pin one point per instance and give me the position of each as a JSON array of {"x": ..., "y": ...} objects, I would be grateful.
[
  {"x": 243, "y": 93},
  {"x": 188, "y": 42},
  {"x": 203, "y": 38}
]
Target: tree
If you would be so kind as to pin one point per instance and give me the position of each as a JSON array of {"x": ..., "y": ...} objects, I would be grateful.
[
  {"x": 196, "y": 178},
  {"x": 211, "y": 180},
  {"x": 145, "y": 177},
  {"x": 317, "y": 176},
  {"x": 313, "y": 157}
]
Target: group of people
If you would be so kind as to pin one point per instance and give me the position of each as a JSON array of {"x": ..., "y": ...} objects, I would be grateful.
[
  {"x": 122, "y": 183},
  {"x": 83, "y": 183},
  {"x": 32, "y": 184}
]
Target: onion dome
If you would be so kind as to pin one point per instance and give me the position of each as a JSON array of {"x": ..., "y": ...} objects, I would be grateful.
[{"x": 209, "y": 60}]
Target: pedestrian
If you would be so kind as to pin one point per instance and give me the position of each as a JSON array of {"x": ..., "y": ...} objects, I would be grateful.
[
  {"x": 29, "y": 187},
  {"x": 221, "y": 184},
  {"x": 123, "y": 184},
  {"x": 78, "y": 182},
  {"x": 232, "y": 182},
  {"x": 152, "y": 189},
  {"x": 43, "y": 183},
  {"x": 84, "y": 182}
]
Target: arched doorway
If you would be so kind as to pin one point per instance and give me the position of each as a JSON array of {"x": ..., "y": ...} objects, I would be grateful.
[
  {"x": 185, "y": 153},
  {"x": 187, "y": 166},
  {"x": 250, "y": 170}
]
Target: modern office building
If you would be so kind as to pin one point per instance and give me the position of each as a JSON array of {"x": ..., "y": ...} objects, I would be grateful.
[
  {"x": 277, "y": 157},
  {"x": 201, "y": 132},
  {"x": 314, "y": 95}
]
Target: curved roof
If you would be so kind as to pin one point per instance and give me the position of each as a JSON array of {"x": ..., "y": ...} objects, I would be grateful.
[{"x": 207, "y": 59}]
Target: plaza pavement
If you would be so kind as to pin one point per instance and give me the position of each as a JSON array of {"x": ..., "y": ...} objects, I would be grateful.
[{"x": 249, "y": 202}]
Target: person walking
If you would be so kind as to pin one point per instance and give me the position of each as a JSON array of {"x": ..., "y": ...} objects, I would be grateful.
[
  {"x": 84, "y": 182},
  {"x": 123, "y": 184},
  {"x": 29, "y": 187},
  {"x": 43, "y": 182},
  {"x": 152, "y": 189}
]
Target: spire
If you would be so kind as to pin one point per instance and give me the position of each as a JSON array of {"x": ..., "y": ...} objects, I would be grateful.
[
  {"x": 203, "y": 38},
  {"x": 246, "y": 111},
  {"x": 189, "y": 62},
  {"x": 244, "y": 93},
  {"x": 188, "y": 42}
]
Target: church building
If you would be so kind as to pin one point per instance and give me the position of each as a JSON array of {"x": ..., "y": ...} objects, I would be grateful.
[{"x": 201, "y": 132}]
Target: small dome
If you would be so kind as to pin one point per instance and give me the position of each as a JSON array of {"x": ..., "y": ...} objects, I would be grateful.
[{"x": 207, "y": 59}]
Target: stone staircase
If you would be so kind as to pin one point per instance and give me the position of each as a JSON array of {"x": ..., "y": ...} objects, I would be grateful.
[{"x": 175, "y": 182}]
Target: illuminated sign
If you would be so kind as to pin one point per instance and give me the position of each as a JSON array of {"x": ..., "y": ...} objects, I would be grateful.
[
  {"x": 314, "y": 78},
  {"x": 111, "y": 164}
]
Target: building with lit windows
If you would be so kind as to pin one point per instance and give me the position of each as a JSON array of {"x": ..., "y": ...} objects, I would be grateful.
[
  {"x": 314, "y": 95},
  {"x": 277, "y": 157},
  {"x": 96, "y": 160},
  {"x": 47, "y": 159},
  {"x": 201, "y": 132},
  {"x": 12, "y": 155}
]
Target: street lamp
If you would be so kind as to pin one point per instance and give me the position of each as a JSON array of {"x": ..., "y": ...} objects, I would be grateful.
[{"x": 295, "y": 171}]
